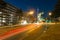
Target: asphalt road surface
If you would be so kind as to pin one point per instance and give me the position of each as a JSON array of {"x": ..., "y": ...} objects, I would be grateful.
[{"x": 33, "y": 33}]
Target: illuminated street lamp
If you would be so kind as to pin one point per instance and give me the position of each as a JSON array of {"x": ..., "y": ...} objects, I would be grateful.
[
  {"x": 50, "y": 13},
  {"x": 30, "y": 15},
  {"x": 31, "y": 12}
]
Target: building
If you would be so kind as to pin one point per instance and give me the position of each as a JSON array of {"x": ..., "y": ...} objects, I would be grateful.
[{"x": 9, "y": 15}]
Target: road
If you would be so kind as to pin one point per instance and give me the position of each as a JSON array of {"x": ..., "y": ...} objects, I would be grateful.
[{"x": 31, "y": 32}]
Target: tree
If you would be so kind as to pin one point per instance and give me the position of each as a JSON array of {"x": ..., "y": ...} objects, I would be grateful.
[{"x": 56, "y": 12}]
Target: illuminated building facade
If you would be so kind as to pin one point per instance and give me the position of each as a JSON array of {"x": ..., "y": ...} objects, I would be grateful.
[{"x": 9, "y": 15}]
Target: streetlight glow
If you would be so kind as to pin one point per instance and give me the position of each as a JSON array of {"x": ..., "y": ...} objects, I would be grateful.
[
  {"x": 50, "y": 13},
  {"x": 31, "y": 12}
]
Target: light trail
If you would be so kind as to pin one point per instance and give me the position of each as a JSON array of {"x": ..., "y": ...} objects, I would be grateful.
[{"x": 15, "y": 32}]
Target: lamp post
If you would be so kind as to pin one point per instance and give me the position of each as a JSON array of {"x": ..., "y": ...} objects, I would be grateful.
[
  {"x": 30, "y": 15},
  {"x": 50, "y": 13}
]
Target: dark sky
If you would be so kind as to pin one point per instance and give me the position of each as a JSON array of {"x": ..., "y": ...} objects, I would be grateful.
[{"x": 43, "y": 5}]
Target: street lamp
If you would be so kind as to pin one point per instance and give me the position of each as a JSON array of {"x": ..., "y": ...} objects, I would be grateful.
[
  {"x": 50, "y": 15},
  {"x": 30, "y": 15},
  {"x": 31, "y": 12}
]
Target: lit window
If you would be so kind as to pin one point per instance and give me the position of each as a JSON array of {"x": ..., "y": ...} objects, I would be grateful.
[
  {"x": 0, "y": 12},
  {"x": 11, "y": 14},
  {"x": 3, "y": 21},
  {"x": 4, "y": 18}
]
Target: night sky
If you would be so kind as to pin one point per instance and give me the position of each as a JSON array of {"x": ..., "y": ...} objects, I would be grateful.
[{"x": 43, "y": 5}]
